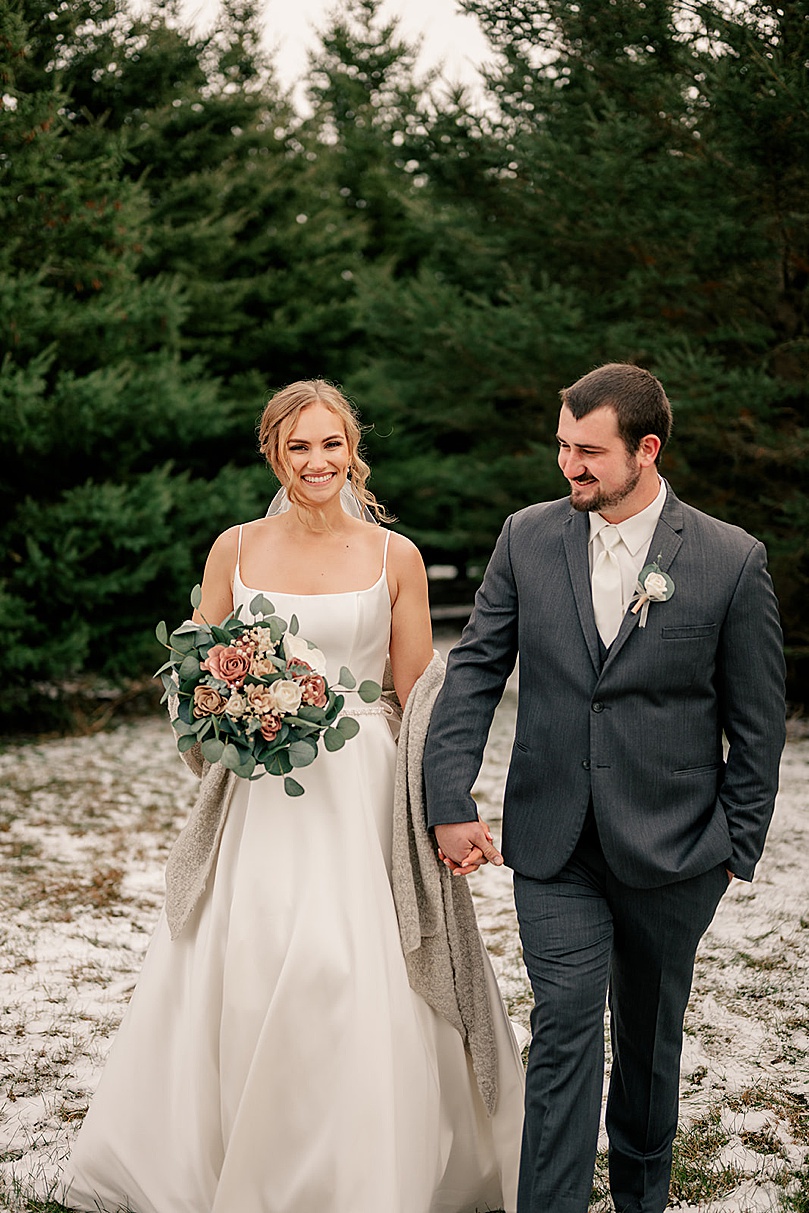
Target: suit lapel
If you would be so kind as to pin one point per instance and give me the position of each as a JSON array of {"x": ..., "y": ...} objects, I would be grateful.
[
  {"x": 665, "y": 545},
  {"x": 576, "y": 535}
]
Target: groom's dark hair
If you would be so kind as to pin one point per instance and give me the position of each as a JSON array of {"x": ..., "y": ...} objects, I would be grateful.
[{"x": 641, "y": 405}]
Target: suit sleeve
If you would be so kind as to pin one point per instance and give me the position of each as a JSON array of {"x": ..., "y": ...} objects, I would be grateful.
[
  {"x": 752, "y": 704},
  {"x": 477, "y": 671}
]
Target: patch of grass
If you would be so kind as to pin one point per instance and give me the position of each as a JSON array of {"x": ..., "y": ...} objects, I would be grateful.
[
  {"x": 763, "y": 1142},
  {"x": 697, "y": 1176},
  {"x": 764, "y": 963},
  {"x": 788, "y": 1106},
  {"x": 796, "y": 1198},
  {"x": 600, "y": 1197}
]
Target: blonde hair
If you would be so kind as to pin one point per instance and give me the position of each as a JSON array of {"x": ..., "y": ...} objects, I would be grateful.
[{"x": 279, "y": 419}]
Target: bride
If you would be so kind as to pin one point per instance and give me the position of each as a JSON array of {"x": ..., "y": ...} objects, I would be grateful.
[{"x": 274, "y": 1058}]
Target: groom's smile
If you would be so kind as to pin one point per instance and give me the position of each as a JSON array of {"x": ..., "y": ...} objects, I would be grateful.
[{"x": 603, "y": 476}]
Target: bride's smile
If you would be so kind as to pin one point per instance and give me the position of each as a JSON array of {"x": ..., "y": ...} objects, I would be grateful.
[{"x": 318, "y": 452}]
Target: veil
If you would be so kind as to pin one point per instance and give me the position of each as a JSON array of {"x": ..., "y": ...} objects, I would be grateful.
[{"x": 280, "y": 504}]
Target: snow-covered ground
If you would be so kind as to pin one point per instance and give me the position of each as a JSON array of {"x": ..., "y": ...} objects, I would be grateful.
[{"x": 85, "y": 828}]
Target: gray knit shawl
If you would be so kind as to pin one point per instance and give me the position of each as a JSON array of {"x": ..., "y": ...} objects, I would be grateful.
[
  {"x": 437, "y": 926},
  {"x": 440, "y": 938}
]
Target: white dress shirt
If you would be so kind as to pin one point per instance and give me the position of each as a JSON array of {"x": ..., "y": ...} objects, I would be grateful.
[{"x": 636, "y": 536}]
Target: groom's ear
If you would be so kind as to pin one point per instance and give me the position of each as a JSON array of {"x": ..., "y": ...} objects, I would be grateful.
[{"x": 648, "y": 450}]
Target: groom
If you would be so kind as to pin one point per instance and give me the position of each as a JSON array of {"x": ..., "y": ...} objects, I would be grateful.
[{"x": 623, "y": 821}]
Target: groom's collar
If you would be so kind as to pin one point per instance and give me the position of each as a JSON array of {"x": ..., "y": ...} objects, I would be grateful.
[{"x": 636, "y": 532}]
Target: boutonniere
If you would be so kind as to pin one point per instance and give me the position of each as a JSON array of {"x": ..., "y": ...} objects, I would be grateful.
[{"x": 653, "y": 586}]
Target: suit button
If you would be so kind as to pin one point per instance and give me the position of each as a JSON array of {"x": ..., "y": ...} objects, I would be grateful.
[
  {"x": 598, "y": 707},
  {"x": 586, "y": 764}
]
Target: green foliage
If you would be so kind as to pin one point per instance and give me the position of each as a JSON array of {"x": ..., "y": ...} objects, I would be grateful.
[
  {"x": 636, "y": 190},
  {"x": 177, "y": 241}
]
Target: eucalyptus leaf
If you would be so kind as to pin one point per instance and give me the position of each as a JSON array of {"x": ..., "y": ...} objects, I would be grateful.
[
  {"x": 292, "y": 787},
  {"x": 188, "y": 625},
  {"x": 347, "y": 679},
  {"x": 246, "y": 769},
  {"x": 232, "y": 757},
  {"x": 303, "y": 728},
  {"x": 261, "y": 606},
  {"x": 369, "y": 691},
  {"x": 212, "y": 749},
  {"x": 186, "y": 742},
  {"x": 220, "y": 635},
  {"x": 182, "y": 728},
  {"x": 333, "y": 739},
  {"x": 302, "y": 753},
  {"x": 162, "y": 633},
  {"x": 196, "y": 596},
  {"x": 348, "y": 727},
  {"x": 294, "y": 626},
  {"x": 279, "y": 764},
  {"x": 183, "y": 642},
  {"x": 189, "y": 666}
]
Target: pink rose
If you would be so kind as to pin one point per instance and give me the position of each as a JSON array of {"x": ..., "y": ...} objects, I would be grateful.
[
  {"x": 231, "y": 665},
  {"x": 270, "y": 727},
  {"x": 313, "y": 691},
  {"x": 297, "y": 668}
]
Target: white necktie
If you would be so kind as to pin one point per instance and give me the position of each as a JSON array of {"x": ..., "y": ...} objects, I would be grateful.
[{"x": 607, "y": 588}]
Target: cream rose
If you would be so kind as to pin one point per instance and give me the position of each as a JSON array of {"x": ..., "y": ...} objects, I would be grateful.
[
  {"x": 236, "y": 706},
  {"x": 296, "y": 649},
  {"x": 655, "y": 586},
  {"x": 286, "y": 696}
]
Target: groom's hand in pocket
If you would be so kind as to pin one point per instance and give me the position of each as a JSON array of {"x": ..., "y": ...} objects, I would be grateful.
[{"x": 464, "y": 845}]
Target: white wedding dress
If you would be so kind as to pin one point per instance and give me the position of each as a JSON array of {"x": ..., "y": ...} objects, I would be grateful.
[{"x": 274, "y": 1058}]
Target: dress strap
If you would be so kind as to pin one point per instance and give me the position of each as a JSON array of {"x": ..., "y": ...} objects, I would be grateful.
[
  {"x": 237, "y": 572},
  {"x": 385, "y": 553}
]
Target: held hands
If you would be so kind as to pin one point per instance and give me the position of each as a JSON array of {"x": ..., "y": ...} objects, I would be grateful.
[{"x": 464, "y": 845}]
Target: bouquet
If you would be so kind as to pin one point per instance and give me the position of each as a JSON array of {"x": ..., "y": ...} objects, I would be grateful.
[{"x": 255, "y": 695}]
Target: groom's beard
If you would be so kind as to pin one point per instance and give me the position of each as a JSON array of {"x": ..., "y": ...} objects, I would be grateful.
[{"x": 601, "y": 500}]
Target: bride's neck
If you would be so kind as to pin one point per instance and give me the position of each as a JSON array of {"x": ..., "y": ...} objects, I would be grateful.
[{"x": 328, "y": 522}]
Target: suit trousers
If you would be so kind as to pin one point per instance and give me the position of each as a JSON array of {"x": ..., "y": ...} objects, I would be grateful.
[{"x": 587, "y": 937}]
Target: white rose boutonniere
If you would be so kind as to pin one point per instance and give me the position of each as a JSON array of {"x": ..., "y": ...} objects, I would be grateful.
[{"x": 653, "y": 586}]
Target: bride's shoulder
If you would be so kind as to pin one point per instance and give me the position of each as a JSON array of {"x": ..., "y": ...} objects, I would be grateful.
[
  {"x": 228, "y": 543},
  {"x": 403, "y": 555}
]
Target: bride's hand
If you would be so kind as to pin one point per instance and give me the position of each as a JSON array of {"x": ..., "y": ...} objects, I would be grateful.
[{"x": 465, "y": 845}]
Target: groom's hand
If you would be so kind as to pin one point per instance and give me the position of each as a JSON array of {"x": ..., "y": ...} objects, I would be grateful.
[{"x": 464, "y": 845}]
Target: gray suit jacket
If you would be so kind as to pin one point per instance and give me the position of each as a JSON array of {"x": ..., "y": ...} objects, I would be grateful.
[{"x": 639, "y": 733}]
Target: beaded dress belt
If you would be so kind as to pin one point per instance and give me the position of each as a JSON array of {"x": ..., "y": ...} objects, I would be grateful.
[{"x": 369, "y": 709}]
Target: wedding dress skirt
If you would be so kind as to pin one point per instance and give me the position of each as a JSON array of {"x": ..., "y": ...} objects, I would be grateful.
[{"x": 274, "y": 1058}]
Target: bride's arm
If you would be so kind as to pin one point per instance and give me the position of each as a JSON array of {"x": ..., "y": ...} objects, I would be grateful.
[
  {"x": 411, "y": 637},
  {"x": 217, "y": 581}
]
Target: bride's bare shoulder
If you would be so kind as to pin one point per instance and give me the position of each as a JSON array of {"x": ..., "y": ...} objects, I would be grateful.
[
  {"x": 226, "y": 546},
  {"x": 403, "y": 552}
]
